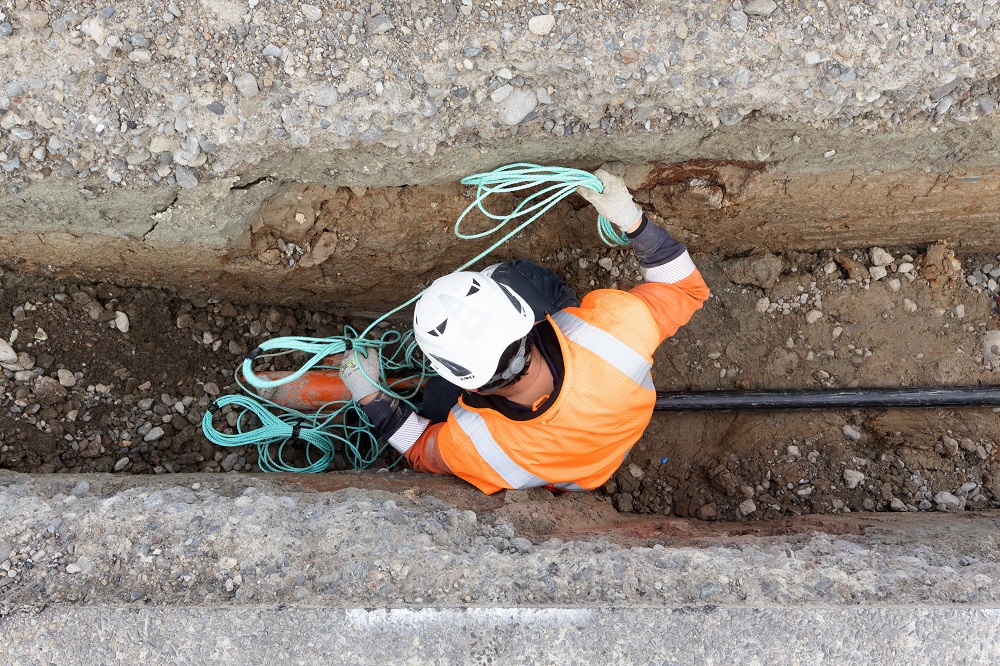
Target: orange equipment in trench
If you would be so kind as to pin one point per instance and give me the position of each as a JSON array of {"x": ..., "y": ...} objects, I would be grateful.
[{"x": 320, "y": 387}]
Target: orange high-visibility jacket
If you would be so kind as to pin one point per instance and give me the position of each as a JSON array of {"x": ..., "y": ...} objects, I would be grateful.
[{"x": 605, "y": 402}]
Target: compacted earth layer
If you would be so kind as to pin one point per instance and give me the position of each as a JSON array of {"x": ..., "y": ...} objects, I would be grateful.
[{"x": 97, "y": 378}]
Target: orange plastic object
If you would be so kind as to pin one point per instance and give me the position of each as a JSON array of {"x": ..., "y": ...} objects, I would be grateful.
[{"x": 314, "y": 389}]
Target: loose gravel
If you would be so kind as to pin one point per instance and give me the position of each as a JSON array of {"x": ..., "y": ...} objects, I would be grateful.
[{"x": 184, "y": 91}]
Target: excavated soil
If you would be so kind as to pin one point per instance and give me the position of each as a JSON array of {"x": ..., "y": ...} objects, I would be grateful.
[{"x": 132, "y": 400}]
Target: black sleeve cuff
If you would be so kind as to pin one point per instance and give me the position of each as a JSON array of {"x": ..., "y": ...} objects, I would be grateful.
[
  {"x": 387, "y": 414},
  {"x": 639, "y": 229}
]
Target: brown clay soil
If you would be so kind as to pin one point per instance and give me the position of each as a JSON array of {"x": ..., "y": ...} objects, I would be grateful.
[{"x": 916, "y": 326}]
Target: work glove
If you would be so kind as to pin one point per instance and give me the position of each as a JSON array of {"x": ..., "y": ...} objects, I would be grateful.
[
  {"x": 354, "y": 379},
  {"x": 615, "y": 202}
]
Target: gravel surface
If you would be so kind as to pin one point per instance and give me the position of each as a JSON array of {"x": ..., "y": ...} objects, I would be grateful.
[
  {"x": 179, "y": 92},
  {"x": 245, "y": 541}
]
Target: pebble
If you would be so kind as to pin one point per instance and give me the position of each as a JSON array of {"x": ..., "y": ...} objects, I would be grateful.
[
  {"x": 153, "y": 434},
  {"x": 878, "y": 272},
  {"x": 909, "y": 305},
  {"x": 121, "y": 322},
  {"x": 185, "y": 177},
  {"x": 681, "y": 30},
  {"x": 122, "y": 463},
  {"x": 7, "y": 353},
  {"x": 851, "y": 433},
  {"x": 762, "y": 304},
  {"x": 747, "y": 507},
  {"x": 897, "y": 504},
  {"x": 541, "y": 25},
  {"x": 66, "y": 378},
  {"x": 813, "y": 316},
  {"x": 852, "y": 478},
  {"x": 311, "y": 12},
  {"x": 760, "y": 7},
  {"x": 326, "y": 96},
  {"x": 880, "y": 257},
  {"x": 516, "y": 106}
]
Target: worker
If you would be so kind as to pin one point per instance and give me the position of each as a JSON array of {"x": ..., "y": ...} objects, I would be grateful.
[{"x": 558, "y": 403}]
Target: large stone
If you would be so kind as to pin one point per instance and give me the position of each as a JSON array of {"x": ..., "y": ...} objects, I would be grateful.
[{"x": 758, "y": 270}]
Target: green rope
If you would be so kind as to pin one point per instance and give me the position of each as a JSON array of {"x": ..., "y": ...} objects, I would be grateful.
[{"x": 272, "y": 428}]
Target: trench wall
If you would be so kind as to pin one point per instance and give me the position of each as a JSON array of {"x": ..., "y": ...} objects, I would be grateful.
[{"x": 305, "y": 153}]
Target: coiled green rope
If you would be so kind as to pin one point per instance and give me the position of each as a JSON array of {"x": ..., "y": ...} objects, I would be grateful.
[{"x": 345, "y": 423}]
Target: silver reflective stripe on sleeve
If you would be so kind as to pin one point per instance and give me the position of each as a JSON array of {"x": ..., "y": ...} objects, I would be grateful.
[
  {"x": 474, "y": 427},
  {"x": 674, "y": 270},
  {"x": 607, "y": 346},
  {"x": 569, "y": 485}
]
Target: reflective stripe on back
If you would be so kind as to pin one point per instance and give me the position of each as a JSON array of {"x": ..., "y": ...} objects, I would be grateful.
[
  {"x": 473, "y": 425},
  {"x": 607, "y": 346}
]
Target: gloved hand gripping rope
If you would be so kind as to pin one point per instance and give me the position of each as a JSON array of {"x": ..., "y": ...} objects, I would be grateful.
[{"x": 370, "y": 362}]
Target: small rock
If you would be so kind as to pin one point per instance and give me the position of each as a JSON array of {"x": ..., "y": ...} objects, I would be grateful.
[
  {"x": 7, "y": 353},
  {"x": 122, "y": 463},
  {"x": 762, "y": 304},
  {"x": 311, "y": 12},
  {"x": 153, "y": 435},
  {"x": 681, "y": 30},
  {"x": 215, "y": 106},
  {"x": 707, "y": 512},
  {"x": 48, "y": 391},
  {"x": 851, "y": 433},
  {"x": 541, "y": 25},
  {"x": 747, "y": 507},
  {"x": 635, "y": 471},
  {"x": 878, "y": 272},
  {"x": 272, "y": 51},
  {"x": 247, "y": 84},
  {"x": 813, "y": 316},
  {"x": 760, "y": 7},
  {"x": 945, "y": 501},
  {"x": 950, "y": 445},
  {"x": 379, "y": 24},
  {"x": 34, "y": 20},
  {"x": 516, "y": 106},
  {"x": 909, "y": 305},
  {"x": 897, "y": 504},
  {"x": 812, "y": 58},
  {"x": 759, "y": 270},
  {"x": 121, "y": 322},
  {"x": 326, "y": 96},
  {"x": 66, "y": 378},
  {"x": 880, "y": 257},
  {"x": 185, "y": 321},
  {"x": 229, "y": 461},
  {"x": 852, "y": 478},
  {"x": 185, "y": 177},
  {"x": 738, "y": 21}
]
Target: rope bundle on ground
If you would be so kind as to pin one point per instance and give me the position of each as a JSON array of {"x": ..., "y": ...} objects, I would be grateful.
[{"x": 273, "y": 428}]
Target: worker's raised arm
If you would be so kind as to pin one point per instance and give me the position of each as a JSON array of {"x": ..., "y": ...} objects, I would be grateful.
[{"x": 674, "y": 288}]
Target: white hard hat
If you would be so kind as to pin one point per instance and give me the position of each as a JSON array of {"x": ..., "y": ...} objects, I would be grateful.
[{"x": 465, "y": 321}]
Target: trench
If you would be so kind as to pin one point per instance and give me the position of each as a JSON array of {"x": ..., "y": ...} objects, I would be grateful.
[{"x": 819, "y": 280}]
